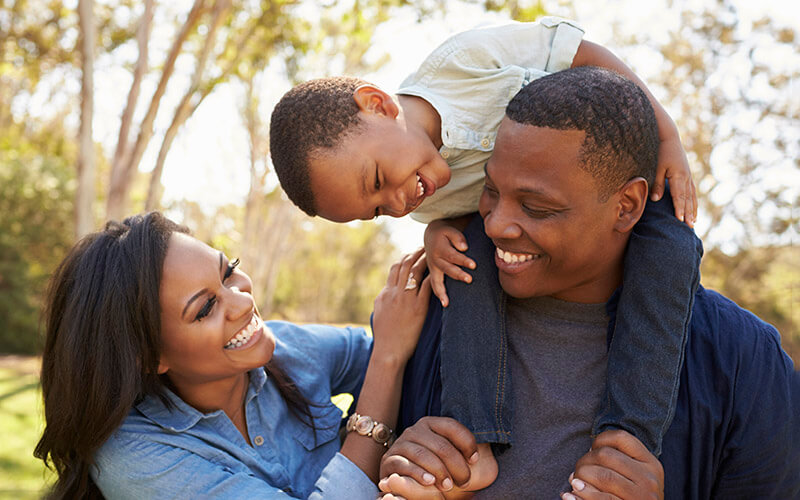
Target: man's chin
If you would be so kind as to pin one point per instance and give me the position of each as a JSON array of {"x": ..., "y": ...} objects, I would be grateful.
[{"x": 519, "y": 288}]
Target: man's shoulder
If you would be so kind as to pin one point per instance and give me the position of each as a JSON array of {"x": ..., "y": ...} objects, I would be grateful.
[{"x": 718, "y": 319}]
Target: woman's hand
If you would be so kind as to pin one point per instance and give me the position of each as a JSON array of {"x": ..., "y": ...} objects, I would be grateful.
[{"x": 400, "y": 309}]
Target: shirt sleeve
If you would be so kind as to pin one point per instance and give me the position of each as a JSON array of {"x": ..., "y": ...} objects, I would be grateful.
[
  {"x": 144, "y": 469},
  {"x": 309, "y": 352},
  {"x": 761, "y": 458}
]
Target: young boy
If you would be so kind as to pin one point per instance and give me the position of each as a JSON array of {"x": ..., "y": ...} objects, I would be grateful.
[{"x": 344, "y": 149}]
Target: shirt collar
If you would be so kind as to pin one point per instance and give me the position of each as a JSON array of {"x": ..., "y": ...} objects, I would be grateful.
[{"x": 180, "y": 416}]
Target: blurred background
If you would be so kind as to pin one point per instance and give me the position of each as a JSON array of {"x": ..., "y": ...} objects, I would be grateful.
[{"x": 109, "y": 108}]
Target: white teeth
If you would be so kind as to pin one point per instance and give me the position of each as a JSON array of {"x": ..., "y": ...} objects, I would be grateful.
[
  {"x": 513, "y": 258},
  {"x": 420, "y": 187},
  {"x": 244, "y": 335}
]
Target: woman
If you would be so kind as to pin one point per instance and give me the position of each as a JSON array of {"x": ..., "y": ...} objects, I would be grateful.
[{"x": 160, "y": 379}]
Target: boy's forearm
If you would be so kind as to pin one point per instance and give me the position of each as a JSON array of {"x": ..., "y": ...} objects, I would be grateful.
[{"x": 592, "y": 54}]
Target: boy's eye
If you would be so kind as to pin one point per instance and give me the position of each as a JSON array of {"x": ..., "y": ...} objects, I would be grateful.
[{"x": 377, "y": 179}]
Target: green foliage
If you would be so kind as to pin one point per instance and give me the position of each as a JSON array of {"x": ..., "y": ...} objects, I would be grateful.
[
  {"x": 35, "y": 228},
  {"x": 22, "y": 476},
  {"x": 334, "y": 272}
]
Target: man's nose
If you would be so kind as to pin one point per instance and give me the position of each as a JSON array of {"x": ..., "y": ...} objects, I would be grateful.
[{"x": 500, "y": 224}]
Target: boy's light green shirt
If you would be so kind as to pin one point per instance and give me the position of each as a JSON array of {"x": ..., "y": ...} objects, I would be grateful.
[{"x": 469, "y": 80}]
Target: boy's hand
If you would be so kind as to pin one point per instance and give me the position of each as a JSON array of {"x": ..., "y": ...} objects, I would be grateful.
[
  {"x": 673, "y": 166},
  {"x": 443, "y": 246},
  {"x": 618, "y": 466}
]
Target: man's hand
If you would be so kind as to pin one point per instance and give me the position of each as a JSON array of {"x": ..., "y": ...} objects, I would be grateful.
[
  {"x": 444, "y": 244},
  {"x": 618, "y": 467}
]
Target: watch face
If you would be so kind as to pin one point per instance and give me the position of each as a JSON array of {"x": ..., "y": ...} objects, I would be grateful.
[{"x": 364, "y": 425}]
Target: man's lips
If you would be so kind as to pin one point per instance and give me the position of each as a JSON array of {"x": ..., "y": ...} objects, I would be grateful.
[{"x": 514, "y": 262}]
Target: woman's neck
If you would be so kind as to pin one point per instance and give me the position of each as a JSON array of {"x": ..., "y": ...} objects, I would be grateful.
[
  {"x": 419, "y": 113},
  {"x": 223, "y": 394}
]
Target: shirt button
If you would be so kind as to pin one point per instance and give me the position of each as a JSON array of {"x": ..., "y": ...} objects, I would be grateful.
[
  {"x": 258, "y": 440},
  {"x": 485, "y": 142},
  {"x": 445, "y": 154}
]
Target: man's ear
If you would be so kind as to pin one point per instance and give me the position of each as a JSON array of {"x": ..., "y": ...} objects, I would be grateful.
[
  {"x": 631, "y": 199},
  {"x": 371, "y": 99}
]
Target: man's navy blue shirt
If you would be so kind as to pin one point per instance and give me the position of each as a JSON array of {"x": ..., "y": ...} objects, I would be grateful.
[{"x": 736, "y": 431}]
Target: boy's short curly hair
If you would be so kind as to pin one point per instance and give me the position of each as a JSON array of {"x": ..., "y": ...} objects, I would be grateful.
[
  {"x": 620, "y": 125},
  {"x": 314, "y": 115}
]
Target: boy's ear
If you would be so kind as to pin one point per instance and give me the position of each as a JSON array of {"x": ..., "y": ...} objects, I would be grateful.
[
  {"x": 371, "y": 99},
  {"x": 631, "y": 201}
]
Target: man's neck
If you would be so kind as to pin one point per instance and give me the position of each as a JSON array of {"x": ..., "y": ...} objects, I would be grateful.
[{"x": 418, "y": 113}]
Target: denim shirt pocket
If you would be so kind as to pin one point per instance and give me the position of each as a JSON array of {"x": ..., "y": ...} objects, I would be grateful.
[{"x": 327, "y": 420}]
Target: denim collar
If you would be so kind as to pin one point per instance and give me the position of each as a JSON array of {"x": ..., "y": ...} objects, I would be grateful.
[{"x": 182, "y": 416}]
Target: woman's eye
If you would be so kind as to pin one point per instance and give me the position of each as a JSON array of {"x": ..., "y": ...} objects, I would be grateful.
[
  {"x": 206, "y": 309},
  {"x": 230, "y": 269}
]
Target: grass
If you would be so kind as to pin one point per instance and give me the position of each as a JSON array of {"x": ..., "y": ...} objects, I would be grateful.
[{"x": 21, "y": 475}]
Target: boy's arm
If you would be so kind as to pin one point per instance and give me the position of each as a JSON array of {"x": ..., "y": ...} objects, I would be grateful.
[{"x": 672, "y": 163}]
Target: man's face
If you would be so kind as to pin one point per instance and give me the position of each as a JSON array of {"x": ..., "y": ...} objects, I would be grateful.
[
  {"x": 381, "y": 169},
  {"x": 541, "y": 210}
]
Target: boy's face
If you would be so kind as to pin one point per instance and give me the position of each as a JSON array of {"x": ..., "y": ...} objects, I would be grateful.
[
  {"x": 383, "y": 168},
  {"x": 542, "y": 211}
]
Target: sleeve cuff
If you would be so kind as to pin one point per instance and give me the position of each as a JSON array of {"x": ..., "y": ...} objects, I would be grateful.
[
  {"x": 343, "y": 480},
  {"x": 565, "y": 43}
]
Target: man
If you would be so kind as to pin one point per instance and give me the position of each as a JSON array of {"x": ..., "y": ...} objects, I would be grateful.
[{"x": 567, "y": 181}]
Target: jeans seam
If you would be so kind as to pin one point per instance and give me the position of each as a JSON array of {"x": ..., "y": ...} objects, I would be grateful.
[{"x": 501, "y": 380}]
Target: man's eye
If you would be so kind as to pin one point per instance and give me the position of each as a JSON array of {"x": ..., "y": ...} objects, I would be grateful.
[{"x": 537, "y": 214}]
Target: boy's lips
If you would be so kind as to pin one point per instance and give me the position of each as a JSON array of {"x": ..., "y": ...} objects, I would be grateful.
[{"x": 428, "y": 184}]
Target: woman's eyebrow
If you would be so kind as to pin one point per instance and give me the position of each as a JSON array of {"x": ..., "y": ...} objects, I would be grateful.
[{"x": 201, "y": 292}]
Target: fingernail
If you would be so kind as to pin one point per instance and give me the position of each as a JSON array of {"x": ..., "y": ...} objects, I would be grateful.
[
  {"x": 472, "y": 265},
  {"x": 568, "y": 496},
  {"x": 447, "y": 484},
  {"x": 571, "y": 475},
  {"x": 577, "y": 484},
  {"x": 382, "y": 484},
  {"x": 654, "y": 197},
  {"x": 428, "y": 478},
  {"x": 474, "y": 458}
]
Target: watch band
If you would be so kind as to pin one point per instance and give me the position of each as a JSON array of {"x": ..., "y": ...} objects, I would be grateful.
[{"x": 366, "y": 426}]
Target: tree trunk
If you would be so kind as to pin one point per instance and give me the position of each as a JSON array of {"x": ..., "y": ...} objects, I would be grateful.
[
  {"x": 143, "y": 41},
  {"x": 185, "y": 109},
  {"x": 122, "y": 176},
  {"x": 84, "y": 197}
]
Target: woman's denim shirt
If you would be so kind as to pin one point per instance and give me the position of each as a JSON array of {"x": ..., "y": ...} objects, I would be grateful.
[{"x": 183, "y": 453}]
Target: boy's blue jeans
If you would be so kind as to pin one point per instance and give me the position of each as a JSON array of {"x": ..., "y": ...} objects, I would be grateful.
[{"x": 645, "y": 352}]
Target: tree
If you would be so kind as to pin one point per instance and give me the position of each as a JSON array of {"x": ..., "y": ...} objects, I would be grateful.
[{"x": 85, "y": 191}]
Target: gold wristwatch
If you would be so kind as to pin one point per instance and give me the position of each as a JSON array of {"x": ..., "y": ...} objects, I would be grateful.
[{"x": 366, "y": 426}]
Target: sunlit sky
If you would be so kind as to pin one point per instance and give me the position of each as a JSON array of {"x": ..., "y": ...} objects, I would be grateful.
[{"x": 208, "y": 162}]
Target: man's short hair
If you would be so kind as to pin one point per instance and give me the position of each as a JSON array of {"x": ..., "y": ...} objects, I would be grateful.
[
  {"x": 314, "y": 115},
  {"x": 620, "y": 125}
]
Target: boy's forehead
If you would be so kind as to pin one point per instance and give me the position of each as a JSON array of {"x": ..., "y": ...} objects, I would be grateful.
[{"x": 340, "y": 186}]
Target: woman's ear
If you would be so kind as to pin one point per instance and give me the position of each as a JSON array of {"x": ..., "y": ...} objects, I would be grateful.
[
  {"x": 162, "y": 367},
  {"x": 631, "y": 201},
  {"x": 371, "y": 99}
]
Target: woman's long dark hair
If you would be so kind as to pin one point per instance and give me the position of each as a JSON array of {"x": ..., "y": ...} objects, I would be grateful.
[{"x": 102, "y": 345}]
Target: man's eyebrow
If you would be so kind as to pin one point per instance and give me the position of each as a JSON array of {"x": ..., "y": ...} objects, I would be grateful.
[
  {"x": 526, "y": 190},
  {"x": 201, "y": 292}
]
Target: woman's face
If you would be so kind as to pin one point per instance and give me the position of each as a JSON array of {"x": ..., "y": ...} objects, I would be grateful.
[{"x": 210, "y": 328}]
